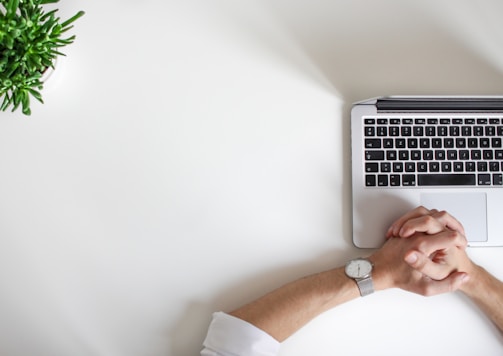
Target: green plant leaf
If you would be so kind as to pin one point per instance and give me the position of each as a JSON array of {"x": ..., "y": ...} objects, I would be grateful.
[{"x": 30, "y": 40}]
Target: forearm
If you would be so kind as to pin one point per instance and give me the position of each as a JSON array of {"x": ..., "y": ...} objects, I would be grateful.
[
  {"x": 486, "y": 292},
  {"x": 288, "y": 308}
]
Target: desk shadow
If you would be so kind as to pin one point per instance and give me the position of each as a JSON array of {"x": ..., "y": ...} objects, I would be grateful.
[
  {"x": 366, "y": 49},
  {"x": 188, "y": 334}
]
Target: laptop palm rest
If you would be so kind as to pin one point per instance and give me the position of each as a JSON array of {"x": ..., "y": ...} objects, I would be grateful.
[{"x": 469, "y": 208}]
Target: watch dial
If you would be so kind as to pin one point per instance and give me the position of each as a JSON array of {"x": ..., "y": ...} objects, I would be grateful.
[{"x": 358, "y": 268}]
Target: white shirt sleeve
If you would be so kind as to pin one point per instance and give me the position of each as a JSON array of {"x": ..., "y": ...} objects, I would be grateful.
[{"x": 231, "y": 336}]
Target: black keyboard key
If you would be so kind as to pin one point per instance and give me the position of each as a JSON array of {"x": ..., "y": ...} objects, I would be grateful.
[
  {"x": 436, "y": 142},
  {"x": 370, "y": 180},
  {"x": 498, "y": 154},
  {"x": 372, "y": 143},
  {"x": 458, "y": 166},
  {"x": 498, "y": 179},
  {"x": 369, "y": 121},
  {"x": 422, "y": 167},
  {"x": 487, "y": 154},
  {"x": 445, "y": 179},
  {"x": 439, "y": 155},
  {"x": 476, "y": 154},
  {"x": 427, "y": 155},
  {"x": 412, "y": 143},
  {"x": 482, "y": 121},
  {"x": 454, "y": 130},
  {"x": 400, "y": 143},
  {"x": 496, "y": 142},
  {"x": 410, "y": 167},
  {"x": 403, "y": 155},
  {"x": 408, "y": 180},
  {"x": 494, "y": 166},
  {"x": 374, "y": 155},
  {"x": 382, "y": 180},
  {"x": 394, "y": 180},
  {"x": 391, "y": 155},
  {"x": 434, "y": 167},
  {"x": 382, "y": 121},
  {"x": 478, "y": 130},
  {"x": 490, "y": 130},
  {"x": 397, "y": 167},
  {"x": 482, "y": 166},
  {"x": 406, "y": 131},
  {"x": 385, "y": 167},
  {"x": 452, "y": 155},
  {"x": 442, "y": 131},
  {"x": 464, "y": 154},
  {"x": 382, "y": 131},
  {"x": 387, "y": 143},
  {"x": 446, "y": 166},
  {"x": 418, "y": 131},
  {"x": 370, "y": 131},
  {"x": 415, "y": 155},
  {"x": 445, "y": 121},
  {"x": 394, "y": 131},
  {"x": 470, "y": 166},
  {"x": 473, "y": 142},
  {"x": 430, "y": 131},
  {"x": 466, "y": 131},
  {"x": 484, "y": 179},
  {"x": 394, "y": 121},
  {"x": 371, "y": 167},
  {"x": 448, "y": 142},
  {"x": 460, "y": 143},
  {"x": 424, "y": 143}
]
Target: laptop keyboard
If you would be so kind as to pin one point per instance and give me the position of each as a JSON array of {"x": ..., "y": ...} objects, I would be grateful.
[{"x": 443, "y": 151}]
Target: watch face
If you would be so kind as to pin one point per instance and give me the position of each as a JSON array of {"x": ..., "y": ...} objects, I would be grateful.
[{"x": 358, "y": 268}]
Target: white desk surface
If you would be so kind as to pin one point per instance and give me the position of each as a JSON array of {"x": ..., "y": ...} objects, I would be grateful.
[{"x": 193, "y": 155}]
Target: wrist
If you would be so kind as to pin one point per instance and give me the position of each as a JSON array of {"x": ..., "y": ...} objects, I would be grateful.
[
  {"x": 476, "y": 276},
  {"x": 381, "y": 274}
]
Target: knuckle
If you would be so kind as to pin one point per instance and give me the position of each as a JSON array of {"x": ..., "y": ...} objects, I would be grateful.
[{"x": 423, "y": 210}]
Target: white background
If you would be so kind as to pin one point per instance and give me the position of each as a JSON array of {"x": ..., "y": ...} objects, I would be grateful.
[{"x": 192, "y": 155}]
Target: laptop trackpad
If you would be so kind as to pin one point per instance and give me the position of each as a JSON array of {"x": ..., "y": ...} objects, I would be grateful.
[{"x": 468, "y": 208}]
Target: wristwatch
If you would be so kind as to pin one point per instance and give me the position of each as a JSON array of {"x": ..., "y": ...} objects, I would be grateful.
[{"x": 360, "y": 269}]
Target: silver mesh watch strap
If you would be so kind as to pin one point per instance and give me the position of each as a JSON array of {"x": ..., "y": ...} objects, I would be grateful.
[{"x": 366, "y": 286}]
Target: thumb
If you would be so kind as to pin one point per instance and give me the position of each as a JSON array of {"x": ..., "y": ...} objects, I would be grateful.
[{"x": 449, "y": 284}]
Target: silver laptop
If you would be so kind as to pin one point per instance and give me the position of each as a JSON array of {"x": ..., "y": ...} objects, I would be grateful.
[{"x": 440, "y": 152}]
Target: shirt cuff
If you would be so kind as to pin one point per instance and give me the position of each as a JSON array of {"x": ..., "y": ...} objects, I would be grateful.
[{"x": 228, "y": 335}]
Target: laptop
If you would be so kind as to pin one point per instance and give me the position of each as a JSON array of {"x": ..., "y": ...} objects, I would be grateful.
[{"x": 440, "y": 152}]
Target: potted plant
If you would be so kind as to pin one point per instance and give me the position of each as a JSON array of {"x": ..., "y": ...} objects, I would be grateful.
[{"x": 30, "y": 40}]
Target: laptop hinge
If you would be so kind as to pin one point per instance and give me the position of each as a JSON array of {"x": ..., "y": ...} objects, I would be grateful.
[{"x": 440, "y": 104}]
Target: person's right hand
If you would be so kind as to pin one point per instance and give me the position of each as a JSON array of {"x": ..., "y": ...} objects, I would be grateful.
[{"x": 435, "y": 258}]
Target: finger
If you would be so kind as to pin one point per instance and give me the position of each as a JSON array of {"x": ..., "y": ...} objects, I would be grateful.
[
  {"x": 449, "y": 221},
  {"x": 397, "y": 224},
  {"x": 428, "y": 244},
  {"x": 427, "y": 224},
  {"x": 427, "y": 267},
  {"x": 453, "y": 282}
]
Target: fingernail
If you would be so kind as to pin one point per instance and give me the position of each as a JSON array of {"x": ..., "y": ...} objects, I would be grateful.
[{"x": 411, "y": 258}]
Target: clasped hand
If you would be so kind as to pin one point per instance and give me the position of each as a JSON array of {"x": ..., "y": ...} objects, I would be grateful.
[{"x": 424, "y": 254}]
